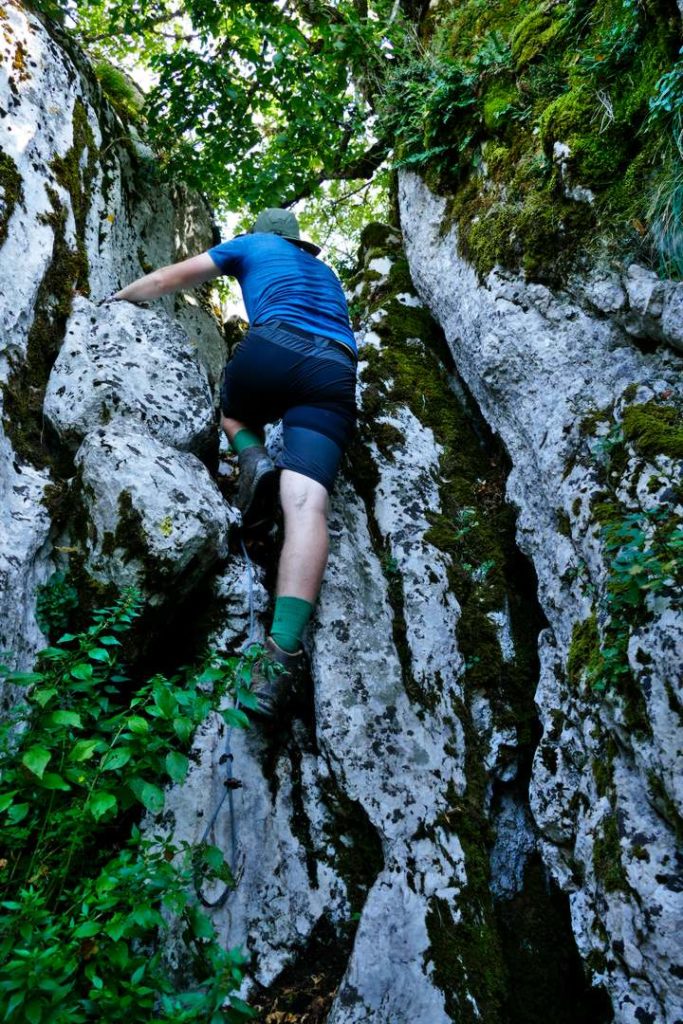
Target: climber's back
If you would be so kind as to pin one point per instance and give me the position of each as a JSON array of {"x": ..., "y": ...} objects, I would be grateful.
[{"x": 281, "y": 281}]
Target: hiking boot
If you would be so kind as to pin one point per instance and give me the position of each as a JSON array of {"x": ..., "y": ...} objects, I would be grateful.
[
  {"x": 257, "y": 486},
  {"x": 271, "y": 677}
]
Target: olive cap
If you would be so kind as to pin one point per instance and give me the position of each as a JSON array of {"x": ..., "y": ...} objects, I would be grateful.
[{"x": 284, "y": 223}]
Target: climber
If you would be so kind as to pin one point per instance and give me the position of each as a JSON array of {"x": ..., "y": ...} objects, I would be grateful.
[{"x": 296, "y": 363}]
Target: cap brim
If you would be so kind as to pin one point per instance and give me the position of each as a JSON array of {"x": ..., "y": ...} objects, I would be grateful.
[{"x": 303, "y": 244}]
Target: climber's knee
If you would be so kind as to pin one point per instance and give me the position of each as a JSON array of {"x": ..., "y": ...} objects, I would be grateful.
[{"x": 302, "y": 497}]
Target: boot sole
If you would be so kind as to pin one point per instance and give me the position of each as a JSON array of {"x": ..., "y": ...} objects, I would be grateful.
[{"x": 261, "y": 508}]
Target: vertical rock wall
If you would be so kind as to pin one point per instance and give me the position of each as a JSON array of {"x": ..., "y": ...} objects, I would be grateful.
[
  {"x": 80, "y": 213},
  {"x": 592, "y": 426}
]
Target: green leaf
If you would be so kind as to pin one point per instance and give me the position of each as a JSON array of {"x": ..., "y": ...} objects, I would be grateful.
[
  {"x": 34, "y": 1011},
  {"x": 87, "y": 930},
  {"x": 99, "y": 654},
  {"x": 238, "y": 1004},
  {"x": 44, "y": 694},
  {"x": 148, "y": 794},
  {"x": 177, "y": 765},
  {"x": 6, "y": 799},
  {"x": 51, "y": 780},
  {"x": 137, "y": 975},
  {"x": 83, "y": 750},
  {"x": 201, "y": 925},
  {"x": 16, "y": 1000},
  {"x": 66, "y": 718},
  {"x": 116, "y": 758},
  {"x": 138, "y": 725},
  {"x": 100, "y": 802},
  {"x": 165, "y": 701},
  {"x": 115, "y": 927},
  {"x": 82, "y": 671},
  {"x": 214, "y": 857},
  {"x": 110, "y": 641},
  {"x": 247, "y": 699},
  {"x": 24, "y": 678},
  {"x": 18, "y": 812},
  {"x": 36, "y": 759},
  {"x": 233, "y": 716},
  {"x": 183, "y": 727}
]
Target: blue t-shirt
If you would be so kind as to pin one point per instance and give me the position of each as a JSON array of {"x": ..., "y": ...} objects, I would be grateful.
[{"x": 281, "y": 281}]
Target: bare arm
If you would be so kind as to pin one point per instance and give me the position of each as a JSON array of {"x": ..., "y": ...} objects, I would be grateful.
[{"x": 175, "y": 277}]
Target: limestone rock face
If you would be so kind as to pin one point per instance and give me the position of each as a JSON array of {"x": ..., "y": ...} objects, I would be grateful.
[
  {"x": 120, "y": 363},
  {"x": 156, "y": 519},
  {"x": 80, "y": 211},
  {"x": 24, "y": 554},
  {"x": 572, "y": 397},
  {"x": 394, "y": 764},
  {"x": 641, "y": 302}
]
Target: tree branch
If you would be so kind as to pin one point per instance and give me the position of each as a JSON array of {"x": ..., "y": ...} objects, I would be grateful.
[
  {"x": 363, "y": 166},
  {"x": 161, "y": 19}
]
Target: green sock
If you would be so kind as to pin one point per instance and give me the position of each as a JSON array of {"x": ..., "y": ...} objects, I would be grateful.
[
  {"x": 245, "y": 438},
  {"x": 289, "y": 622}
]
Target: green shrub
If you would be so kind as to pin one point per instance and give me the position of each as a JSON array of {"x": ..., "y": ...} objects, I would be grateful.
[
  {"x": 86, "y": 897},
  {"x": 666, "y": 209},
  {"x": 56, "y": 599}
]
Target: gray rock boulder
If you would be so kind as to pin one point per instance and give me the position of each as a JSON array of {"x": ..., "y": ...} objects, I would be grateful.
[
  {"x": 155, "y": 517},
  {"x": 123, "y": 364}
]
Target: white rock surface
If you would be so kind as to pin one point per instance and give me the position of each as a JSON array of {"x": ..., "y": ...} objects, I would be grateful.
[
  {"x": 24, "y": 556},
  {"x": 394, "y": 762},
  {"x": 120, "y": 363},
  {"x": 537, "y": 362},
  {"x": 156, "y": 497},
  {"x": 640, "y": 301},
  {"x": 131, "y": 223}
]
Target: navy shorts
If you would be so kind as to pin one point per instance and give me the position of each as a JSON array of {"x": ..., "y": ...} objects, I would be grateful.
[{"x": 282, "y": 373}]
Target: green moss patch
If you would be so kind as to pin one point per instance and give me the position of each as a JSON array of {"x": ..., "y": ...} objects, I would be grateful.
[
  {"x": 583, "y": 661},
  {"x": 654, "y": 429},
  {"x": 537, "y": 74},
  {"x": 534, "y": 33},
  {"x": 131, "y": 539},
  {"x": 607, "y": 862},
  {"x": 467, "y": 959},
  {"x": 11, "y": 192},
  {"x": 75, "y": 171}
]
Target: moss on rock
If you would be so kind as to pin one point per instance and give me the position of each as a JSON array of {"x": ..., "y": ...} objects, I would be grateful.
[
  {"x": 584, "y": 652},
  {"x": 533, "y": 34},
  {"x": 11, "y": 191},
  {"x": 511, "y": 204},
  {"x": 654, "y": 429},
  {"x": 498, "y": 100},
  {"x": 607, "y": 863}
]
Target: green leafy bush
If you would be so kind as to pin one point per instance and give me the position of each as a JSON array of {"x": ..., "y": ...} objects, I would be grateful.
[
  {"x": 56, "y": 599},
  {"x": 86, "y": 897},
  {"x": 646, "y": 560},
  {"x": 666, "y": 209},
  {"x": 426, "y": 101}
]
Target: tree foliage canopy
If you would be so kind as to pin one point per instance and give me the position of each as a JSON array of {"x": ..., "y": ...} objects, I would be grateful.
[{"x": 255, "y": 103}]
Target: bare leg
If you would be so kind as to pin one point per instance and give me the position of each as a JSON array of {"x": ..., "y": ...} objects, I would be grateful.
[{"x": 305, "y": 505}]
